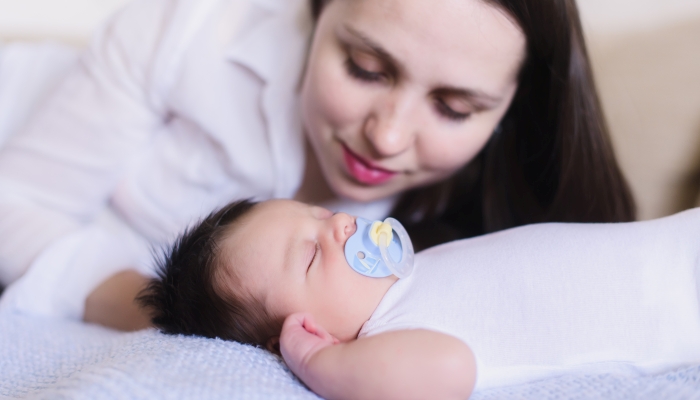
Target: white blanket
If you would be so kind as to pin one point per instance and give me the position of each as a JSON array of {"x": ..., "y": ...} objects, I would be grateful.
[{"x": 52, "y": 359}]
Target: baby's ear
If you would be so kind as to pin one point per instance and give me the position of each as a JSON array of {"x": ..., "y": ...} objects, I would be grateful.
[{"x": 273, "y": 345}]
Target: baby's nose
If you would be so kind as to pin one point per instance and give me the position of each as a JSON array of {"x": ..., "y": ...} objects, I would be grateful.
[{"x": 343, "y": 227}]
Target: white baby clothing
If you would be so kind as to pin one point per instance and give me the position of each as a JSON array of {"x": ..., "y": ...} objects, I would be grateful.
[{"x": 548, "y": 299}]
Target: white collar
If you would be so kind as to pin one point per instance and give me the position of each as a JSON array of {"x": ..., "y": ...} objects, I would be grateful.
[
  {"x": 271, "y": 48},
  {"x": 274, "y": 48}
]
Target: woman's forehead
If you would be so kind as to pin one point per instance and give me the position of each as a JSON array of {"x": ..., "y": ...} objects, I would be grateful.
[
  {"x": 444, "y": 22},
  {"x": 463, "y": 42}
]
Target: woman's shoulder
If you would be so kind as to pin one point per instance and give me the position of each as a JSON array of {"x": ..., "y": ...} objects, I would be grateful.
[
  {"x": 174, "y": 19},
  {"x": 154, "y": 36},
  {"x": 172, "y": 26}
]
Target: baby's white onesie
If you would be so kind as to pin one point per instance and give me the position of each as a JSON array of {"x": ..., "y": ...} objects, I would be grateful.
[{"x": 547, "y": 299}]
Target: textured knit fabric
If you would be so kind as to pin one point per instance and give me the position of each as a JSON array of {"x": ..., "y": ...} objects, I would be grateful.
[
  {"x": 51, "y": 359},
  {"x": 547, "y": 299}
]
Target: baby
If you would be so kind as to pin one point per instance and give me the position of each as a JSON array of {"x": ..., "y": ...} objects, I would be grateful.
[{"x": 508, "y": 307}]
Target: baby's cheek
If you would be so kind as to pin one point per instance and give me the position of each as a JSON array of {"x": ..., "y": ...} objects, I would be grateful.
[
  {"x": 342, "y": 296},
  {"x": 341, "y": 283},
  {"x": 340, "y": 275},
  {"x": 285, "y": 301}
]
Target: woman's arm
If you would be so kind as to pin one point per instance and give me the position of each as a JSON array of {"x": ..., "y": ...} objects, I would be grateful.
[
  {"x": 61, "y": 169},
  {"x": 113, "y": 303},
  {"x": 402, "y": 364}
]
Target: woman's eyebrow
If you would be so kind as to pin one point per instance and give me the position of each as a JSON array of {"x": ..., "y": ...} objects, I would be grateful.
[
  {"x": 478, "y": 96},
  {"x": 375, "y": 47}
]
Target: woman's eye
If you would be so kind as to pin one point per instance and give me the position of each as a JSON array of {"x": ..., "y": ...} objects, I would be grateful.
[
  {"x": 362, "y": 74},
  {"x": 449, "y": 113}
]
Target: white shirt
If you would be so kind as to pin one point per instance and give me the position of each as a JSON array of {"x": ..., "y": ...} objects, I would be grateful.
[
  {"x": 549, "y": 299},
  {"x": 177, "y": 108}
]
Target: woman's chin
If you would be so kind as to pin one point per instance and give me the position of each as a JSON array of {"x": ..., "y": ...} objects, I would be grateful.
[{"x": 349, "y": 189}]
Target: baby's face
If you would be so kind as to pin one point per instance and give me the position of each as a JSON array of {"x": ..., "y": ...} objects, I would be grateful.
[{"x": 290, "y": 255}]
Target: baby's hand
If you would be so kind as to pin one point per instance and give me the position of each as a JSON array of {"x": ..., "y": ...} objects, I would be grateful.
[{"x": 302, "y": 338}]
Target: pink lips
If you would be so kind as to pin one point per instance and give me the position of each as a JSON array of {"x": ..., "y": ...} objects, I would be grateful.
[{"x": 363, "y": 171}]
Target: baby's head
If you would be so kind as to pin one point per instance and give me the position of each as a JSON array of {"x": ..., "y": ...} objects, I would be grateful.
[{"x": 243, "y": 269}]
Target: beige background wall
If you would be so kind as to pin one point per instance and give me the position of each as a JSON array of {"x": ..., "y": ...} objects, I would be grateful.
[
  {"x": 650, "y": 86},
  {"x": 620, "y": 16},
  {"x": 66, "y": 20},
  {"x": 74, "y": 19},
  {"x": 646, "y": 56}
]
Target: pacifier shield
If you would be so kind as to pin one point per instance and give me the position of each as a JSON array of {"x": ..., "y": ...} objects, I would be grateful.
[{"x": 365, "y": 257}]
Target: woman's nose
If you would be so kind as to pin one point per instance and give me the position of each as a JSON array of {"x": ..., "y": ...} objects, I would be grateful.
[
  {"x": 343, "y": 226},
  {"x": 389, "y": 129}
]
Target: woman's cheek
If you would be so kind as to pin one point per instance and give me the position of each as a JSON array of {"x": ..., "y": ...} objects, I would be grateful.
[
  {"x": 450, "y": 152},
  {"x": 340, "y": 102},
  {"x": 344, "y": 107}
]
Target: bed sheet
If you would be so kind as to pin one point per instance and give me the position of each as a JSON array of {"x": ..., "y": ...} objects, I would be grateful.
[{"x": 53, "y": 359}]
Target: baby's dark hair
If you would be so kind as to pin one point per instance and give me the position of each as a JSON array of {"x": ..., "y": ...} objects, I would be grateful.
[{"x": 187, "y": 297}]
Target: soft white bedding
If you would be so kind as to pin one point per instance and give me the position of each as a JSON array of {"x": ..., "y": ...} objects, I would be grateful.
[
  {"x": 41, "y": 358},
  {"x": 52, "y": 359}
]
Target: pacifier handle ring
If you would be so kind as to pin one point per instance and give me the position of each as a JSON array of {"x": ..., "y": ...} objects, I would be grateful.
[{"x": 405, "y": 268}]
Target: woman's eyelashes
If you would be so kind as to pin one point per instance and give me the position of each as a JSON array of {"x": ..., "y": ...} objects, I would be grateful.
[
  {"x": 362, "y": 74},
  {"x": 448, "y": 112}
]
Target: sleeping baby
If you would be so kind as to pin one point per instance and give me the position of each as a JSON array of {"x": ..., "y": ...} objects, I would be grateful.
[{"x": 496, "y": 310}]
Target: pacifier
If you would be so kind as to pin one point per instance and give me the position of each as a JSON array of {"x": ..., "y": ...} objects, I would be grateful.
[{"x": 380, "y": 249}]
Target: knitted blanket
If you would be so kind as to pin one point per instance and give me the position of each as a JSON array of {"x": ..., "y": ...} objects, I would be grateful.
[{"x": 51, "y": 359}]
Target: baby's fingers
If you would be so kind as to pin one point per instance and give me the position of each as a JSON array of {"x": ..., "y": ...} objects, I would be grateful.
[
  {"x": 307, "y": 322},
  {"x": 294, "y": 321},
  {"x": 298, "y": 328},
  {"x": 301, "y": 338},
  {"x": 311, "y": 327}
]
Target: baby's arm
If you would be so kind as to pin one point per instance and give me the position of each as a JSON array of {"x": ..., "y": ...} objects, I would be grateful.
[{"x": 402, "y": 364}]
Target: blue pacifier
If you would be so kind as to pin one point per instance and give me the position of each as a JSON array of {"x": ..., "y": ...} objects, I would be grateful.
[{"x": 380, "y": 249}]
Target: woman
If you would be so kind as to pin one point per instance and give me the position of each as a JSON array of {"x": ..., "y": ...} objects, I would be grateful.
[{"x": 458, "y": 117}]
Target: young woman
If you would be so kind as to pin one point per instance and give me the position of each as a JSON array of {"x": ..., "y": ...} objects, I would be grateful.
[{"x": 458, "y": 117}]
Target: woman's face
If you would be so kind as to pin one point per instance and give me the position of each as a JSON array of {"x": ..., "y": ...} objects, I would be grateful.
[{"x": 402, "y": 93}]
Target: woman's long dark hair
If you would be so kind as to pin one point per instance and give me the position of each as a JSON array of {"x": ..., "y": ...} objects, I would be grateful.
[{"x": 550, "y": 160}]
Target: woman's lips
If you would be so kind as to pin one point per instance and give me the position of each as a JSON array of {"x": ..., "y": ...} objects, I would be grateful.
[{"x": 363, "y": 171}]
